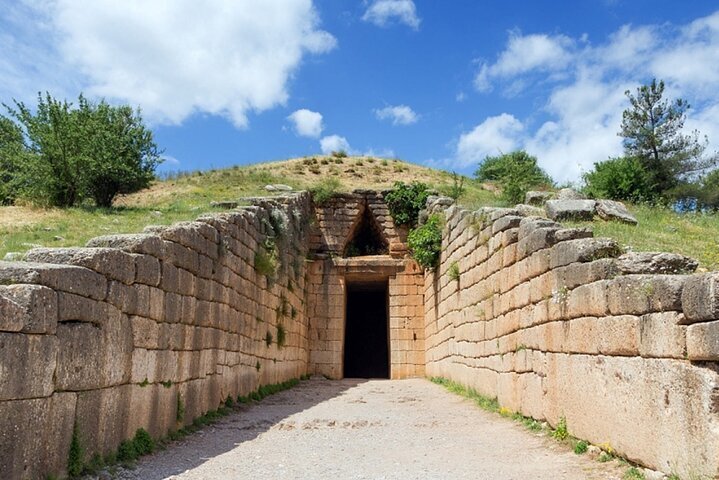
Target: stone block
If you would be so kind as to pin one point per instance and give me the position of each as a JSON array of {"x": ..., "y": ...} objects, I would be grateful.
[
  {"x": 651, "y": 262},
  {"x": 27, "y": 365},
  {"x": 640, "y": 294},
  {"x": 703, "y": 341},
  {"x": 66, "y": 278},
  {"x": 700, "y": 298},
  {"x": 588, "y": 300},
  {"x": 101, "y": 416},
  {"x": 74, "y": 308},
  {"x": 570, "y": 209},
  {"x": 613, "y": 210},
  {"x": 146, "y": 243},
  {"x": 28, "y": 309},
  {"x": 123, "y": 297},
  {"x": 147, "y": 270},
  {"x": 662, "y": 335},
  {"x": 619, "y": 336},
  {"x": 505, "y": 223},
  {"x": 537, "y": 197},
  {"x": 110, "y": 262},
  {"x": 582, "y": 250},
  {"x": 94, "y": 356},
  {"x": 35, "y": 436}
]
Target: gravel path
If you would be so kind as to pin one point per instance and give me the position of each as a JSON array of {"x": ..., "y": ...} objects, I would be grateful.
[{"x": 358, "y": 429}]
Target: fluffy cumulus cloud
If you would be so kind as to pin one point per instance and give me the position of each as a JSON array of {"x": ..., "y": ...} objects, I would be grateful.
[
  {"x": 306, "y": 123},
  {"x": 171, "y": 58},
  {"x": 334, "y": 143},
  {"x": 493, "y": 136},
  {"x": 385, "y": 12},
  {"x": 581, "y": 86},
  {"x": 398, "y": 114}
]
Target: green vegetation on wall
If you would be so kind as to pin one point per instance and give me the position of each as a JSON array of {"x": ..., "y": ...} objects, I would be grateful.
[
  {"x": 405, "y": 201},
  {"x": 425, "y": 242}
]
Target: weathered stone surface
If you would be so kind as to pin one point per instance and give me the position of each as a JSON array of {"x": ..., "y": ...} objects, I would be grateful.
[
  {"x": 700, "y": 298},
  {"x": 582, "y": 250},
  {"x": 537, "y": 197},
  {"x": 228, "y": 204},
  {"x": 147, "y": 270},
  {"x": 278, "y": 187},
  {"x": 505, "y": 223},
  {"x": 27, "y": 365},
  {"x": 35, "y": 436},
  {"x": 640, "y": 294},
  {"x": 568, "y": 194},
  {"x": 66, "y": 278},
  {"x": 149, "y": 244},
  {"x": 529, "y": 210},
  {"x": 703, "y": 341},
  {"x": 662, "y": 335},
  {"x": 92, "y": 356},
  {"x": 110, "y": 262},
  {"x": 28, "y": 309},
  {"x": 650, "y": 262},
  {"x": 613, "y": 210},
  {"x": 529, "y": 224},
  {"x": 101, "y": 416},
  {"x": 570, "y": 209}
]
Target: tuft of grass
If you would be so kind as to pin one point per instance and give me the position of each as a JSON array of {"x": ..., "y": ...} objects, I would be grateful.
[
  {"x": 268, "y": 338},
  {"x": 633, "y": 473},
  {"x": 453, "y": 272},
  {"x": 561, "y": 432},
  {"x": 581, "y": 447},
  {"x": 483, "y": 402},
  {"x": 74, "y": 459},
  {"x": 281, "y": 335},
  {"x": 325, "y": 190}
]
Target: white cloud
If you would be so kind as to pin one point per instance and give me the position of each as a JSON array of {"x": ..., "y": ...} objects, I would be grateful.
[
  {"x": 494, "y": 136},
  {"x": 307, "y": 123},
  {"x": 399, "y": 114},
  {"x": 582, "y": 91},
  {"x": 525, "y": 53},
  {"x": 384, "y": 12},
  {"x": 171, "y": 58},
  {"x": 334, "y": 143}
]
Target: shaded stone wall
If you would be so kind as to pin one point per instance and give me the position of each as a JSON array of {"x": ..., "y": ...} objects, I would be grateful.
[
  {"x": 555, "y": 323},
  {"x": 147, "y": 331}
]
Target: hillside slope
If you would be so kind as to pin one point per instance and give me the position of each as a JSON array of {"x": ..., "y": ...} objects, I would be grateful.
[{"x": 188, "y": 195}]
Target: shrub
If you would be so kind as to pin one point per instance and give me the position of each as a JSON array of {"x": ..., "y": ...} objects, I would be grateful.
[
  {"x": 144, "y": 443},
  {"x": 266, "y": 259},
  {"x": 561, "y": 432},
  {"x": 515, "y": 172},
  {"x": 405, "y": 201},
  {"x": 325, "y": 190},
  {"x": 74, "y": 460},
  {"x": 126, "y": 452},
  {"x": 425, "y": 242},
  {"x": 456, "y": 190},
  {"x": 339, "y": 154},
  {"x": 268, "y": 338},
  {"x": 581, "y": 447},
  {"x": 622, "y": 178}
]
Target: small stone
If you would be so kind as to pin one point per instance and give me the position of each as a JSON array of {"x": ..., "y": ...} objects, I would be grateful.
[
  {"x": 228, "y": 204},
  {"x": 13, "y": 256},
  {"x": 156, "y": 213},
  {"x": 529, "y": 211},
  {"x": 278, "y": 187},
  {"x": 58, "y": 238}
]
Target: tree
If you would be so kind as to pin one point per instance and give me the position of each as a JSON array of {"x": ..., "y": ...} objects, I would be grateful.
[
  {"x": 12, "y": 152},
  {"x": 515, "y": 172},
  {"x": 92, "y": 150},
  {"x": 652, "y": 132}
]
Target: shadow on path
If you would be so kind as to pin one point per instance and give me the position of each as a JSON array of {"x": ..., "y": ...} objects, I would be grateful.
[{"x": 245, "y": 424}]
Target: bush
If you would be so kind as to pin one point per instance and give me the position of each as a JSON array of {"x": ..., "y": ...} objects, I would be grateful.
[
  {"x": 425, "y": 242},
  {"x": 456, "y": 190},
  {"x": 622, "y": 178},
  {"x": 405, "y": 201},
  {"x": 325, "y": 190},
  {"x": 339, "y": 154},
  {"x": 91, "y": 150},
  {"x": 516, "y": 173},
  {"x": 144, "y": 443},
  {"x": 281, "y": 335}
]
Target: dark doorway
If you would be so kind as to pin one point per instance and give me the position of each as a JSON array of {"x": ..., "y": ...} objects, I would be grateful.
[{"x": 366, "y": 331}]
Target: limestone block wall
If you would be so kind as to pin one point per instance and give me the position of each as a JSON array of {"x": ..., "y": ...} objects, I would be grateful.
[
  {"x": 340, "y": 215},
  {"x": 326, "y": 287},
  {"x": 147, "y": 331},
  {"x": 558, "y": 324}
]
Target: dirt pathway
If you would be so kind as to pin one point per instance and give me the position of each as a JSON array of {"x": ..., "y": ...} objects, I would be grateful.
[{"x": 356, "y": 429}]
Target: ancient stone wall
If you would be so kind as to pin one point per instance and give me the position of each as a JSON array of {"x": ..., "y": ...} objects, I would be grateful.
[
  {"x": 557, "y": 324},
  {"x": 147, "y": 331}
]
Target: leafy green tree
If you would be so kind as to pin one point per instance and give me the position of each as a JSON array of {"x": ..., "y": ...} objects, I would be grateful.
[
  {"x": 120, "y": 151},
  {"x": 622, "y": 178},
  {"x": 515, "y": 172},
  {"x": 405, "y": 201},
  {"x": 652, "y": 132},
  {"x": 71, "y": 153},
  {"x": 12, "y": 153}
]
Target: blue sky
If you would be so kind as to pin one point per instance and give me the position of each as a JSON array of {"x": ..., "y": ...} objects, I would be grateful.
[{"x": 441, "y": 83}]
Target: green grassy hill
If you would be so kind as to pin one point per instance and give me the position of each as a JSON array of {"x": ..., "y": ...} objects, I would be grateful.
[{"x": 187, "y": 196}]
